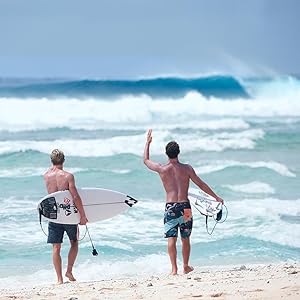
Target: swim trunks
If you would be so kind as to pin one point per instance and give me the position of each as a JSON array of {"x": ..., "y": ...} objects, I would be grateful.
[
  {"x": 178, "y": 215},
  {"x": 56, "y": 232}
]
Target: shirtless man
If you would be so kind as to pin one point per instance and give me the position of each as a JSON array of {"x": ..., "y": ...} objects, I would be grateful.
[
  {"x": 57, "y": 179},
  {"x": 175, "y": 177}
]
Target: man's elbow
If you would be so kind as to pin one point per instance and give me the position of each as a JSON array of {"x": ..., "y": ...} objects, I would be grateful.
[{"x": 146, "y": 163}]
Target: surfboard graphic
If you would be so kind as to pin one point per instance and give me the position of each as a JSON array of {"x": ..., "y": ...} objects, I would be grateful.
[
  {"x": 99, "y": 204},
  {"x": 204, "y": 203}
]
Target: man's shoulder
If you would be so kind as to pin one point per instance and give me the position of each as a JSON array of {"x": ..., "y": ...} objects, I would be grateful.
[
  {"x": 46, "y": 174},
  {"x": 182, "y": 167},
  {"x": 187, "y": 169},
  {"x": 188, "y": 166},
  {"x": 68, "y": 174}
]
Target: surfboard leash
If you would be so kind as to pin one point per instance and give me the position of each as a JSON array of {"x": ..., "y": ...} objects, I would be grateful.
[
  {"x": 217, "y": 219},
  {"x": 40, "y": 216},
  {"x": 94, "y": 252}
]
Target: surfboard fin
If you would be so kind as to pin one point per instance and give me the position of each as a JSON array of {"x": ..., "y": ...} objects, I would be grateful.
[{"x": 219, "y": 215}]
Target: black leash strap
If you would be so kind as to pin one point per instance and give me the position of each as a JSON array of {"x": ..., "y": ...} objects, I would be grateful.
[{"x": 94, "y": 252}]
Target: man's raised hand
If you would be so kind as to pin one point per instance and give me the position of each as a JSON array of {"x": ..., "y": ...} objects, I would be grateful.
[{"x": 149, "y": 136}]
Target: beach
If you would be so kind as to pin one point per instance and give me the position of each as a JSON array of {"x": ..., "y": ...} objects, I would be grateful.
[
  {"x": 218, "y": 85},
  {"x": 240, "y": 136},
  {"x": 272, "y": 281}
]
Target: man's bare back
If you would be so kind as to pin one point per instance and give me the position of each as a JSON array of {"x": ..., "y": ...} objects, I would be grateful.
[
  {"x": 175, "y": 177},
  {"x": 57, "y": 180}
]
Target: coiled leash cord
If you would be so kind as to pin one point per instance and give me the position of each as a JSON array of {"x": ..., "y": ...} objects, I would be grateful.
[{"x": 217, "y": 218}]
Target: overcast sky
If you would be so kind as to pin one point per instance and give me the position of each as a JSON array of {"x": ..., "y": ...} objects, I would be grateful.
[{"x": 136, "y": 38}]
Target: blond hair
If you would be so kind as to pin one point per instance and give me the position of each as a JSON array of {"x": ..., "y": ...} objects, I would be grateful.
[{"x": 57, "y": 157}]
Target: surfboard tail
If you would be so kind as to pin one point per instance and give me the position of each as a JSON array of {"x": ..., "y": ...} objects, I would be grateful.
[{"x": 48, "y": 208}]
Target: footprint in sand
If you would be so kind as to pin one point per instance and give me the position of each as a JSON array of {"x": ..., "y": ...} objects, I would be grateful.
[{"x": 216, "y": 295}]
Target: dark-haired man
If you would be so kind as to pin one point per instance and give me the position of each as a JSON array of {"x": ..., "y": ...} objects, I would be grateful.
[
  {"x": 56, "y": 179},
  {"x": 175, "y": 177}
]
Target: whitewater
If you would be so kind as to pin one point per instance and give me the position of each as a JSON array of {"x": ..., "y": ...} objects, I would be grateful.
[{"x": 242, "y": 136}]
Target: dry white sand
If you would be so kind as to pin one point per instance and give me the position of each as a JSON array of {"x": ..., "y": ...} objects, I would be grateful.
[{"x": 275, "y": 281}]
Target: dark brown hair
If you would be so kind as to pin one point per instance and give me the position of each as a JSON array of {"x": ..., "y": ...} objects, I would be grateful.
[{"x": 172, "y": 149}]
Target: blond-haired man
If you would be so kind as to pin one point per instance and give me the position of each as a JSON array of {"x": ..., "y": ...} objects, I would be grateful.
[{"x": 57, "y": 179}]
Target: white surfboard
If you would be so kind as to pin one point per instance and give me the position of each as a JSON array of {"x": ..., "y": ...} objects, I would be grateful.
[
  {"x": 99, "y": 204},
  {"x": 204, "y": 203}
]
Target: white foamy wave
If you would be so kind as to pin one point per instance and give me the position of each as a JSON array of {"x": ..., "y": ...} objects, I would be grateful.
[
  {"x": 43, "y": 113},
  {"x": 120, "y": 171},
  {"x": 254, "y": 187},
  {"x": 154, "y": 264},
  {"x": 208, "y": 124},
  {"x": 33, "y": 171},
  {"x": 195, "y": 104},
  {"x": 134, "y": 144},
  {"x": 275, "y": 89},
  {"x": 33, "y": 114},
  {"x": 14, "y": 210},
  {"x": 26, "y": 280},
  {"x": 29, "y": 171},
  {"x": 261, "y": 219},
  {"x": 223, "y": 164}
]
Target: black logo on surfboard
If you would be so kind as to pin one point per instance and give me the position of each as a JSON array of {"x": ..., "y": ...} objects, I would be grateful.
[{"x": 66, "y": 206}]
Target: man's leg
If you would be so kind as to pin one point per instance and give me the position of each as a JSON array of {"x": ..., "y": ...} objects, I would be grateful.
[
  {"x": 186, "y": 250},
  {"x": 185, "y": 231},
  {"x": 71, "y": 259},
  {"x": 173, "y": 254},
  {"x": 57, "y": 262}
]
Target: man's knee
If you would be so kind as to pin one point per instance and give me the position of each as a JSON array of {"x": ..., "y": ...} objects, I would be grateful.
[
  {"x": 74, "y": 244},
  {"x": 56, "y": 248},
  {"x": 185, "y": 241},
  {"x": 172, "y": 241}
]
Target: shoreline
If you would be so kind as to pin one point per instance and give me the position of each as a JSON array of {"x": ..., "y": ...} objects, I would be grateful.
[{"x": 269, "y": 281}]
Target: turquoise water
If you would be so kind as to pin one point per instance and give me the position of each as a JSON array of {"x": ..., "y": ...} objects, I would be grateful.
[{"x": 244, "y": 142}]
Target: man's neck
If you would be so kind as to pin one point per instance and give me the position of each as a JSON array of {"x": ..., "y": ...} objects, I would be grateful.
[
  {"x": 173, "y": 160},
  {"x": 60, "y": 167}
]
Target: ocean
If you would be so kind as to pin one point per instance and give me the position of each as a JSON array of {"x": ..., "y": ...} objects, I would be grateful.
[{"x": 242, "y": 136}]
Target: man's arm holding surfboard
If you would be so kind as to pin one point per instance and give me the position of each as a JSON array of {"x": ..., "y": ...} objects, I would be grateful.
[
  {"x": 154, "y": 166},
  {"x": 202, "y": 185},
  {"x": 77, "y": 199}
]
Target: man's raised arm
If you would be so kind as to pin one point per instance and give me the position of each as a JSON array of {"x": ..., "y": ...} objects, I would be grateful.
[{"x": 149, "y": 163}]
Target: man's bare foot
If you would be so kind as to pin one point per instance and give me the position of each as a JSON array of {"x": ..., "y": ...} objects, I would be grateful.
[
  {"x": 174, "y": 272},
  {"x": 60, "y": 281},
  {"x": 70, "y": 276},
  {"x": 187, "y": 269}
]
